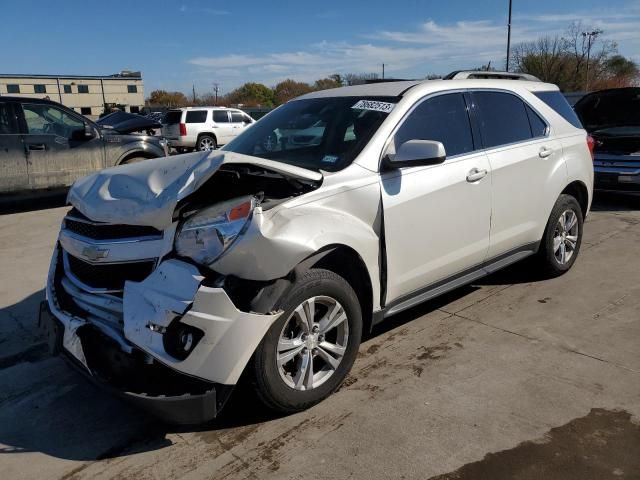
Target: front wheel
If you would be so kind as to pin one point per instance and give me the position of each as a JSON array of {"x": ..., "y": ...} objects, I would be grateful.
[
  {"x": 562, "y": 237},
  {"x": 310, "y": 349}
]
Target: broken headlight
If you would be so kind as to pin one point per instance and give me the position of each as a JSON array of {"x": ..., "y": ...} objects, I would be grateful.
[{"x": 207, "y": 234}]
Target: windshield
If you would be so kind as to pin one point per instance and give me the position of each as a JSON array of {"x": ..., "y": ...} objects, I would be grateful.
[
  {"x": 318, "y": 133},
  {"x": 616, "y": 108}
]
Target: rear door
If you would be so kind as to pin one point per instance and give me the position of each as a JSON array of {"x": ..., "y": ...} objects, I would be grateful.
[
  {"x": 58, "y": 153},
  {"x": 196, "y": 122},
  {"x": 13, "y": 159},
  {"x": 527, "y": 166}
]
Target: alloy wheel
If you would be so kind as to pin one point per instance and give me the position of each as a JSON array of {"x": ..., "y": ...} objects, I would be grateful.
[
  {"x": 312, "y": 343},
  {"x": 565, "y": 237},
  {"x": 206, "y": 144}
]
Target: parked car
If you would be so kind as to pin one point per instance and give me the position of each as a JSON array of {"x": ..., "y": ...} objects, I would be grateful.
[
  {"x": 46, "y": 145},
  {"x": 203, "y": 128},
  {"x": 174, "y": 278},
  {"x": 612, "y": 118}
]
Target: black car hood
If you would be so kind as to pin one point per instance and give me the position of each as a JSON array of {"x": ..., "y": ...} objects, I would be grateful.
[
  {"x": 607, "y": 109},
  {"x": 123, "y": 122}
]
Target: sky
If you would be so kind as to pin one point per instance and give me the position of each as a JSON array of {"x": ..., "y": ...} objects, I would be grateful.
[{"x": 179, "y": 44}]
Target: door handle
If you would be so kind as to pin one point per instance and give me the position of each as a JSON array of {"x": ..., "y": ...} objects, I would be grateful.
[
  {"x": 37, "y": 146},
  {"x": 476, "y": 174},
  {"x": 545, "y": 152}
]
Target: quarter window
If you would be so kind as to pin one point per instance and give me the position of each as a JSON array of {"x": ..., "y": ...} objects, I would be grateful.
[
  {"x": 8, "y": 124},
  {"x": 196, "y": 116},
  {"x": 39, "y": 89},
  {"x": 13, "y": 88},
  {"x": 83, "y": 88},
  {"x": 538, "y": 126},
  {"x": 442, "y": 119},
  {"x": 220, "y": 116},
  {"x": 503, "y": 118}
]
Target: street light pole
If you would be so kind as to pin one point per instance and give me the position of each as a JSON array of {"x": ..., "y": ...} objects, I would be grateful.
[
  {"x": 590, "y": 36},
  {"x": 509, "y": 36}
]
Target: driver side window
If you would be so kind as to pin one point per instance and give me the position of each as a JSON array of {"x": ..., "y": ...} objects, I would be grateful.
[
  {"x": 44, "y": 119},
  {"x": 444, "y": 119}
]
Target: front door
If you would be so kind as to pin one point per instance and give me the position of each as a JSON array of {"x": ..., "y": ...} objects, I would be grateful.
[
  {"x": 436, "y": 218},
  {"x": 58, "y": 153},
  {"x": 13, "y": 161}
]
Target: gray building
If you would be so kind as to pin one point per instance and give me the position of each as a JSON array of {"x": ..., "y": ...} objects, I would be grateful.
[{"x": 86, "y": 94}]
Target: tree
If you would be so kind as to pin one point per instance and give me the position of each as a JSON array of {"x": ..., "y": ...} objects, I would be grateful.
[
  {"x": 334, "y": 81},
  {"x": 567, "y": 60},
  {"x": 359, "y": 78},
  {"x": 250, "y": 94},
  {"x": 288, "y": 89},
  {"x": 167, "y": 99}
]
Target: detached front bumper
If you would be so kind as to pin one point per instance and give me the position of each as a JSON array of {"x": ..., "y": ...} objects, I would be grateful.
[{"x": 119, "y": 341}]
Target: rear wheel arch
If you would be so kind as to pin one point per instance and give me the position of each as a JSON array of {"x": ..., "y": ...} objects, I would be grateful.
[
  {"x": 135, "y": 154},
  {"x": 579, "y": 191}
]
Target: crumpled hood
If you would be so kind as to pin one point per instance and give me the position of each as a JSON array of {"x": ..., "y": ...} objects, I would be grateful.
[{"x": 146, "y": 193}]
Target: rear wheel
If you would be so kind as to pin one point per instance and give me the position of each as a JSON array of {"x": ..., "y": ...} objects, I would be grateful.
[
  {"x": 563, "y": 236},
  {"x": 133, "y": 160},
  {"x": 206, "y": 143},
  {"x": 310, "y": 349}
]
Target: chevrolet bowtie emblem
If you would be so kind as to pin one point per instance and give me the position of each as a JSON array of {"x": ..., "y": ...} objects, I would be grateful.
[{"x": 95, "y": 253}]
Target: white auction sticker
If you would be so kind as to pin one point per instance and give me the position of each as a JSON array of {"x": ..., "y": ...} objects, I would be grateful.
[{"x": 374, "y": 105}]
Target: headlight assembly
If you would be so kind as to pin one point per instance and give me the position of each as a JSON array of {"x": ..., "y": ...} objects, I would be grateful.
[{"x": 206, "y": 235}]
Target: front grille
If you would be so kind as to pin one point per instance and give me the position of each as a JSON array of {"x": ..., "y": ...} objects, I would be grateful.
[
  {"x": 109, "y": 276},
  {"x": 106, "y": 231}
]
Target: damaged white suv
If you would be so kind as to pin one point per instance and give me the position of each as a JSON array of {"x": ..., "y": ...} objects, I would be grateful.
[{"x": 270, "y": 258}]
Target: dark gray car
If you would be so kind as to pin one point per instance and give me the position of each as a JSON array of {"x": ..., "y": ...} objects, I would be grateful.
[{"x": 44, "y": 144}]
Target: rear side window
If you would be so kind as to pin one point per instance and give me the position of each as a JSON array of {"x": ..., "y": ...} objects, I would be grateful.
[
  {"x": 196, "y": 116},
  {"x": 557, "y": 101},
  {"x": 8, "y": 124},
  {"x": 538, "y": 126},
  {"x": 172, "y": 117},
  {"x": 220, "y": 116},
  {"x": 442, "y": 119},
  {"x": 503, "y": 118}
]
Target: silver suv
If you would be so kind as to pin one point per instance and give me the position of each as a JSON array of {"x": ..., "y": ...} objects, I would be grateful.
[
  {"x": 273, "y": 256},
  {"x": 203, "y": 128}
]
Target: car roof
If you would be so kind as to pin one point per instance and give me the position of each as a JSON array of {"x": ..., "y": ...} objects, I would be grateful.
[
  {"x": 185, "y": 109},
  {"x": 398, "y": 89},
  {"x": 8, "y": 98}
]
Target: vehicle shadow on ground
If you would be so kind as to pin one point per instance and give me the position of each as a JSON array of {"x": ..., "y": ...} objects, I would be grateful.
[
  {"x": 615, "y": 202},
  {"x": 38, "y": 201}
]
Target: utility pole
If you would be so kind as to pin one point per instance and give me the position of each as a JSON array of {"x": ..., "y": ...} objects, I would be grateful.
[
  {"x": 590, "y": 36},
  {"x": 194, "y": 93},
  {"x": 216, "y": 89},
  {"x": 383, "y": 71},
  {"x": 509, "y": 36}
]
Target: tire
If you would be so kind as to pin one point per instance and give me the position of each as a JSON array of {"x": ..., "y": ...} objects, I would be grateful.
[
  {"x": 284, "y": 387},
  {"x": 206, "y": 143},
  {"x": 566, "y": 218},
  {"x": 132, "y": 160}
]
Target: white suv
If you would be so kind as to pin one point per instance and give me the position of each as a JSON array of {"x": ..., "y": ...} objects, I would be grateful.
[
  {"x": 203, "y": 128},
  {"x": 270, "y": 258}
]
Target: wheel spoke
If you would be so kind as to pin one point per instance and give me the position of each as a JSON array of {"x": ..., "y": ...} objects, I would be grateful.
[
  {"x": 332, "y": 348},
  {"x": 303, "y": 317},
  {"x": 289, "y": 355},
  {"x": 304, "y": 377},
  {"x": 557, "y": 241},
  {"x": 332, "y": 319},
  {"x": 571, "y": 241},
  {"x": 286, "y": 344},
  {"x": 563, "y": 253},
  {"x": 330, "y": 360},
  {"x": 573, "y": 219}
]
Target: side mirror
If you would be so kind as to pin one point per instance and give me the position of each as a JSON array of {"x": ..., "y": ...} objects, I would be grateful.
[
  {"x": 415, "y": 153},
  {"x": 83, "y": 133}
]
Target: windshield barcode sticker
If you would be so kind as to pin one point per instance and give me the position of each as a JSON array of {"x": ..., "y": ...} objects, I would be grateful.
[{"x": 374, "y": 105}]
